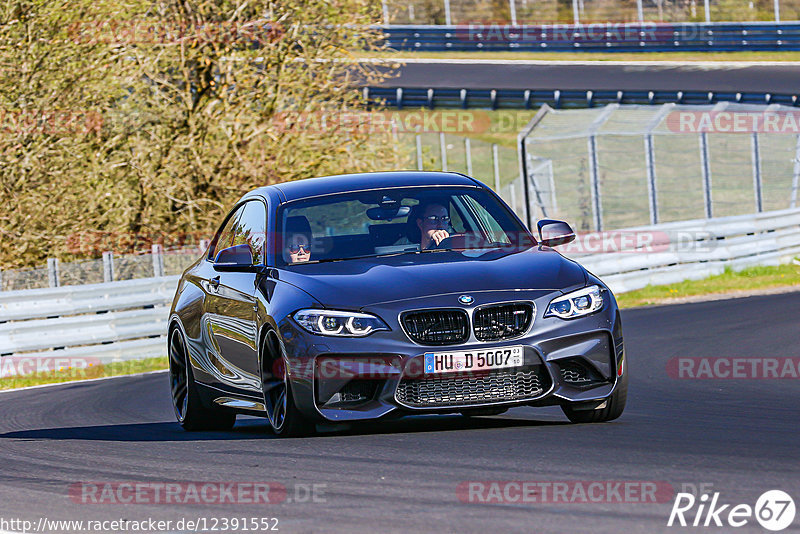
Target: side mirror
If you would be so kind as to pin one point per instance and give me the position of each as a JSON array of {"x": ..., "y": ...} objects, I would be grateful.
[
  {"x": 238, "y": 258},
  {"x": 553, "y": 233}
]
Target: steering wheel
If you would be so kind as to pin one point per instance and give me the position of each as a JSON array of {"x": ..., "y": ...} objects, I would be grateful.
[{"x": 444, "y": 243}]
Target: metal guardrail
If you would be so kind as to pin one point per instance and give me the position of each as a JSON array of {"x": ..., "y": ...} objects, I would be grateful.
[
  {"x": 417, "y": 97},
  {"x": 691, "y": 250},
  {"x": 97, "y": 323},
  {"x": 598, "y": 37},
  {"x": 127, "y": 320}
]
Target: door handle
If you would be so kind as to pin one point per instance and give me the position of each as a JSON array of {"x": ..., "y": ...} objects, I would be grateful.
[{"x": 214, "y": 282}]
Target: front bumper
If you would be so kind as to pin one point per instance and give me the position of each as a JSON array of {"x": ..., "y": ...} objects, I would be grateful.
[{"x": 352, "y": 379}]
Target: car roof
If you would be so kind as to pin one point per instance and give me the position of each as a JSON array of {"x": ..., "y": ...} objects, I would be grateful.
[{"x": 343, "y": 183}]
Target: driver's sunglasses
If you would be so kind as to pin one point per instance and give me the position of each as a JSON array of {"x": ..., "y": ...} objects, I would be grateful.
[
  {"x": 294, "y": 249},
  {"x": 434, "y": 219}
]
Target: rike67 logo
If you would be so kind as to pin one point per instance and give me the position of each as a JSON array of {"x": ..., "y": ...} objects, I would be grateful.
[{"x": 774, "y": 510}]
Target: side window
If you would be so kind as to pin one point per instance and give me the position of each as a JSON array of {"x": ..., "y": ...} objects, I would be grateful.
[
  {"x": 251, "y": 229},
  {"x": 487, "y": 221},
  {"x": 224, "y": 237}
]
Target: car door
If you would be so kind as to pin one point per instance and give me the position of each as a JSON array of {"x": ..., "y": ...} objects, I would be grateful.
[{"x": 232, "y": 317}]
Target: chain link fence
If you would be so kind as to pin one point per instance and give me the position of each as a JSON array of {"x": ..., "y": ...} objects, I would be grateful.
[
  {"x": 421, "y": 12},
  {"x": 495, "y": 165},
  {"x": 626, "y": 166}
]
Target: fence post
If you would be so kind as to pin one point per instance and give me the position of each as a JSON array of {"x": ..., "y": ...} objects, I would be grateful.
[
  {"x": 513, "y": 6},
  {"x": 777, "y": 7},
  {"x": 443, "y": 150},
  {"x": 158, "y": 260},
  {"x": 707, "y": 10},
  {"x": 512, "y": 192},
  {"x": 640, "y": 11},
  {"x": 447, "y": 19},
  {"x": 594, "y": 180},
  {"x": 575, "y": 15},
  {"x": 496, "y": 167},
  {"x": 706, "y": 168},
  {"x": 757, "y": 172},
  {"x": 468, "y": 155},
  {"x": 795, "y": 174},
  {"x": 52, "y": 272},
  {"x": 1, "y": 280},
  {"x": 108, "y": 266},
  {"x": 419, "y": 151},
  {"x": 651, "y": 178},
  {"x": 385, "y": 8}
]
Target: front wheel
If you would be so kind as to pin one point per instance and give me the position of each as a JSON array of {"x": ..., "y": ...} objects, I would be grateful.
[
  {"x": 189, "y": 409},
  {"x": 614, "y": 406},
  {"x": 284, "y": 417}
]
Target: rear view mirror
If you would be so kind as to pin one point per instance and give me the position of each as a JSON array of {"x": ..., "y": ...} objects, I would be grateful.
[{"x": 553, "y": 233}]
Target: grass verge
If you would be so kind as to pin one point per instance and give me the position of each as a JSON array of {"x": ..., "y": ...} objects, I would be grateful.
[
  {"x": 52, "y": 376},
  {"x": 752, "y": 278}
]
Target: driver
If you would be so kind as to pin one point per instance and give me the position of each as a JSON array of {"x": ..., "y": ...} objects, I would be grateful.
[{"x": 432, "y": 224}]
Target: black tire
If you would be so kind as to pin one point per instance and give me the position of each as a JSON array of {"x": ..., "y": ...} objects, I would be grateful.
[
  {"x": 615, "y": 405},
  {"x": 284, "y": 417},
  {"x": 189, "y": 409}
]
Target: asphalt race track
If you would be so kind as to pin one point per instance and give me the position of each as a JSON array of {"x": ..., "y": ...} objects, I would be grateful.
[
  {"x": 739, "y": 437},
  {"x": 598, "y": 76}
]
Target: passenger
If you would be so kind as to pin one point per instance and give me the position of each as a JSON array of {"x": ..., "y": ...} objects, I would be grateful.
[{"x": 297, "y": 247}]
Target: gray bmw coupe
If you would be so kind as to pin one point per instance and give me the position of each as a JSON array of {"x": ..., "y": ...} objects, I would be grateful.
[{"x": 366, "y": 296}]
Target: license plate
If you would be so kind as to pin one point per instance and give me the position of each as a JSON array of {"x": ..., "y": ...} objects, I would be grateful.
[{"x": 473, "y": 360}]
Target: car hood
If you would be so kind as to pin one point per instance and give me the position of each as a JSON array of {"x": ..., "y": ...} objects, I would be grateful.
[{"x": 356, "y": 283}]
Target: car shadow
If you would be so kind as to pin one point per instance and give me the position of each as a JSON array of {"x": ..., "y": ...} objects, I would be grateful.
[{"x": 257, "y": 428}]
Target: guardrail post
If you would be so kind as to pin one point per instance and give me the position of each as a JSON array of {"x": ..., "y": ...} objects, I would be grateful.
[
  {"x": 52, "y": 272},
  {"x": 757, "y": 172},
  {"x": 158, "y": 260},
  {"x": 496, "y": 167},
  {"x": 640, "y": 11},
  {"x": 418, "y": 140},
  {"x": 795, "y": 174},
  {"x": 651, "y": 178},
  {"x": 706, "y": 168},
  {"x": 108, "y": 266},
  {"x": 468, "y": 155},
  {"x": 447, "y": 19},
  {"x": 443, "y": 150},
  {"x": 1, "y": 280},
  {"x": 576, "y": 18},
  {"x": 594, "y": 180},
  {"x": 707, "y": 10},
  {"x": 513, "y": 7},
  {"x": 777, "y": 7}
]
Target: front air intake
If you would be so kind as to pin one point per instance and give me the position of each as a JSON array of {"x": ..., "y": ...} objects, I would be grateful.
[{"x": 437, "y": 327}]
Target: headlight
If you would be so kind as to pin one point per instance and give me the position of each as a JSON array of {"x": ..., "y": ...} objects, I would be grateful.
[
  {"x": 576, "y": 304},
  {"x": 339, "y": 323}
]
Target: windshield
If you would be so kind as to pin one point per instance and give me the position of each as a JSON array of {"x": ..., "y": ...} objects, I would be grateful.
[{"x": 395, "y": 221}]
